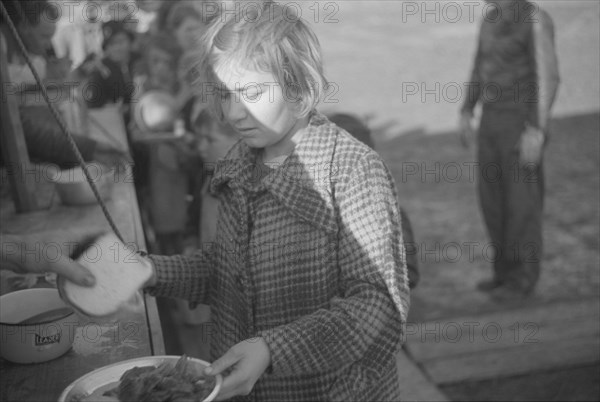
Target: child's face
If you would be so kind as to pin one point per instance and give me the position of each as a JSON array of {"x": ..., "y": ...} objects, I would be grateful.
[
  {"x": 188, "y": 32},
  {"x": 160, "y": 64},
  {"x": 213, "y": 143},
  {"x": 255, "y": 105},
  {"x": 119, "y": 48}
]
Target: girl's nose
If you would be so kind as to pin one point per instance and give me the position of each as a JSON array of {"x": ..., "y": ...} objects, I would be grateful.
[
  {"x": 234, "y": 109},
  {"x": 202, "y": 144}
]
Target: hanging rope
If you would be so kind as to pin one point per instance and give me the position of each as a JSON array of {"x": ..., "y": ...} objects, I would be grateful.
[{"x": 55, "y": 112}]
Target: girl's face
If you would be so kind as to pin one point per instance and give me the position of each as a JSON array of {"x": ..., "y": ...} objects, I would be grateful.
[
  {"x": 260, "y": 110},
  {"x": 213, "y": 144},
  {"x": 188, "y": 32}
]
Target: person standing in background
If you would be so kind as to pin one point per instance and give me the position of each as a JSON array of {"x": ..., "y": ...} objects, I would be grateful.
[
  {"x": 516, "y": 58},
  {"x": 112, "y": 82},
  {"x": 79, "y": 33}
]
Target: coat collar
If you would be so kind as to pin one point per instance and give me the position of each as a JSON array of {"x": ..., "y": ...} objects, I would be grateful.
[{"x": 303, "y": 183}]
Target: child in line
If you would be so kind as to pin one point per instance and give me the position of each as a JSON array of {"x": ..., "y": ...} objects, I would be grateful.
[
  {"x": 166, "y": 162},
  {"x": 306, "y": 279},
  {"x": 111, "y": 80},
  {"x": 213, "y": 139}
]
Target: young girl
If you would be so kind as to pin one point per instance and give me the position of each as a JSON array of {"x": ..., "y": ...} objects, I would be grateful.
[{"x": 306, "y": 279}]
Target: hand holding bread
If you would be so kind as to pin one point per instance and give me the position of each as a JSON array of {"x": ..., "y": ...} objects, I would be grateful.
[{"x": 120, "y": 274}]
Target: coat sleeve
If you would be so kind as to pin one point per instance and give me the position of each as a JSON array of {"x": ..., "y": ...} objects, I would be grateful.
[
  {"x": 182, "y": 277},
  {"x": 363, "y": 326}
]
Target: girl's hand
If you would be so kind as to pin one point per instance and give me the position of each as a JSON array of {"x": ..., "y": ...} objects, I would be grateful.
[{"x": 249, "y": 360}]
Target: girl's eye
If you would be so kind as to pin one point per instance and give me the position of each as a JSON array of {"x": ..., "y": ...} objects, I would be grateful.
[{"x": 252, "y": 93}]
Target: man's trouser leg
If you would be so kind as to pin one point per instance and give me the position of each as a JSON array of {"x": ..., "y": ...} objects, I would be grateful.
[{"x": 511, "y": 199}]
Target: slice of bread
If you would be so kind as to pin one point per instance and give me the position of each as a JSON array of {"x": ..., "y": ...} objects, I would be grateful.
[{"x": 119, "y": 271}]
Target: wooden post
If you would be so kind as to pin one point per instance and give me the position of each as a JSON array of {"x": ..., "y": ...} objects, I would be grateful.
[{"x": 14, "y": 148}]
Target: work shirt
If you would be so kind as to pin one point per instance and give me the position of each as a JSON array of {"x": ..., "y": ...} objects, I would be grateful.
[{"x": 516, "y": 64}]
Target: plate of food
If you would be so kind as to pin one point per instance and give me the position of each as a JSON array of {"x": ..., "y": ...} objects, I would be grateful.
[{"x": 155, "y": 378}]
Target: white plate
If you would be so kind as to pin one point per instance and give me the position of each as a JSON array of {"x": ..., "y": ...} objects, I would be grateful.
[{"x": 87, "y": 384}]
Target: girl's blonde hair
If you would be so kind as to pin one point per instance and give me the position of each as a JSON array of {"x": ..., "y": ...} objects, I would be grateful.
[{"x": 267, "y": 37}]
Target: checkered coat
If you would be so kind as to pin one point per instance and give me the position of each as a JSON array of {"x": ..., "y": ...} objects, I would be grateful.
[{"x": 310, "y": 257}]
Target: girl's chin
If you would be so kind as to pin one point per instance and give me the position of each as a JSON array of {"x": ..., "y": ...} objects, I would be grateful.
[{"x": 253, "y": 142}]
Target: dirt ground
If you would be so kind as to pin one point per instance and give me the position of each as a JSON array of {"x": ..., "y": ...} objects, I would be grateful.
[{"x": 445, "y": 214}]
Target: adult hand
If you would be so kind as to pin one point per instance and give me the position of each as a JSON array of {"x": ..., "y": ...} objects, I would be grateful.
[
  {"x": 466, "y": 132},
  {"x": 40, "y": 253},
  {"x": 531, "y": 145},
  {"x": 249, "y": 360}
]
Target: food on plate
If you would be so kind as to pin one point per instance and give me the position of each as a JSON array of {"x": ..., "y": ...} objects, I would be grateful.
[{"x": 165, "y": 382}]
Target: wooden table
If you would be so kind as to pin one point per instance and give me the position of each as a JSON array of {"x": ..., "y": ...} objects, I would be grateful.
[{"x": 95, "y": 344}]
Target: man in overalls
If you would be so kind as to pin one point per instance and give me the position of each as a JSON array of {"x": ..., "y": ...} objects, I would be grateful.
[{"x": 515, "y": 77}]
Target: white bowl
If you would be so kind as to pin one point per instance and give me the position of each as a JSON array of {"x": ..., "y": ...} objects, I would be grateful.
[
  {"x": 44, "y": 340},
  {"x": 107, "y": 377},
  {"x": 74, "y": 189},
  {"x": 155, "y": 111}
]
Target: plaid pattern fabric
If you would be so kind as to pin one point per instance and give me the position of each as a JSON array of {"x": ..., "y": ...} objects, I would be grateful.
[{"x": 309, "y": 256}]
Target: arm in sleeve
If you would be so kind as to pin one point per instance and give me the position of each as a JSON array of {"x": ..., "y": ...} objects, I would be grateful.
[
  {"x": 46, "y": 141},
  {"x": 473, "y": 86},
  {"x": 179, "y": 276},
  {"x": 366, "y": 323},
  {"x": 546, "y": 66}
]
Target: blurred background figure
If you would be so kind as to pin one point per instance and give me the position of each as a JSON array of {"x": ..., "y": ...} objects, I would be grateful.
[
  {"x": 36, "y": 24},
  {"x": 187, "y": 25},
  {"x": 213, "y": 140},
  {"x": 185, "y": 22},
  {"x": 162, "y": 166},
  {"x": 165, "y": 197},
  {"x": 111, "y": 81},
  {"x": 147, "y": 15},
  {"x": 518, "y": 57},
  {"x": 79, "y": 32}
]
